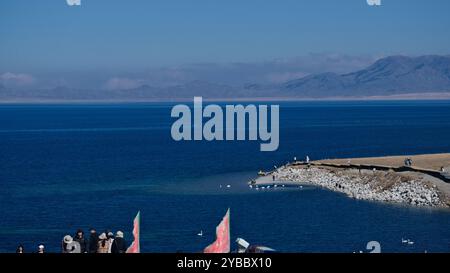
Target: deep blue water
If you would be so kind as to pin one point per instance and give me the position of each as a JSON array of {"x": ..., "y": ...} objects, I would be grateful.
[{"x": 64, "y": 167}]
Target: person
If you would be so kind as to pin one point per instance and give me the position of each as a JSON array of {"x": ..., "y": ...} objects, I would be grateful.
[
  {"x": 110, "y": 236},
  {"x": 69, "y": 245},
  {"x": 408, "y": 162},
  {"x": 66, "y": 239},
  {"x": 41, "y": 249},
  {"x": 103, "y": 243},
  {"x": 79, "y": 237},
  {"x": 307, "y": 159},
  {"x": 93, "y": 241},
  {"x": 119, "y": 244},
  {"x": 20, "y": 249}
]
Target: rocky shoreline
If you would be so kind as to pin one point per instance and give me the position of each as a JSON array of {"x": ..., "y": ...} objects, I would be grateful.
[{"x": 368, "y": 185}]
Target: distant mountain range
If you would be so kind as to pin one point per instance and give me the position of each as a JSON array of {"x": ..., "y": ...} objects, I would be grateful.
[{"x": 390, "y": 76}]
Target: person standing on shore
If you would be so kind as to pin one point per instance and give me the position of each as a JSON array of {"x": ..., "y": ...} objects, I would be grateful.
[
  {"x": 20, "y": 249},
  {"x": 79, "y": 237},
  {"x": 93, "y": 241},
  {"x": 69, "y": 245},
  {"x": 119, "y": 245},
  {"x": 110, "y": 240},
  {"x": 41, "y": 249},
  {"x": 103, "y": 244}
]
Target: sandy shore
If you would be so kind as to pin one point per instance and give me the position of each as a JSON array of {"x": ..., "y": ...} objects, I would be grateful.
[{"x": 409, "y": 186}]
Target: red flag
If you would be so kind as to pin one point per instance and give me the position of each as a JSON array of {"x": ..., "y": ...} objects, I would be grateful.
[
  {"x": 135, "y": 247},
  {"x": 222, "y": 242}
]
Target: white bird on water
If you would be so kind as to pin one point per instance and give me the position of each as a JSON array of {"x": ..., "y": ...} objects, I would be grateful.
[{"x": 407, "y": 241}]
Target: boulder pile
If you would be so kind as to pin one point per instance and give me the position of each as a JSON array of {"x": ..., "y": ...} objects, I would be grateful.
[{"x": 377, "y": 186}]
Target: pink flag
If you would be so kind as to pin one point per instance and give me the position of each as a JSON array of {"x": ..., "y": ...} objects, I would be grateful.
[
  {"x": 222, "y": 242},
  {"x": 135, "y": 246}
]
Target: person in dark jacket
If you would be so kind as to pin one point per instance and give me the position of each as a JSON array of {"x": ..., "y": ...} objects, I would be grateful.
[
  {"x": 119, "y": 245},
  {"x": 79, "y": 237},
  {"x": 93, "y": 241}
]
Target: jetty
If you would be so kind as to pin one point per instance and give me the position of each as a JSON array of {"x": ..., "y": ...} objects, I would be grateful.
[
  {"x": 436, "y": 165},
  {"x": 422, "y": 180}
]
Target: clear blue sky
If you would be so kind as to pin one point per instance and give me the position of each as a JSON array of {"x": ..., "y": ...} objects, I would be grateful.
[{"x": 49, "y": 35}]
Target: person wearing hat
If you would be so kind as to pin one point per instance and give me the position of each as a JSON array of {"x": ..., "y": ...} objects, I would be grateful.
[
  {"x": 41, "y": 249},
  {"x": 110, "y": 236},
  {"x": 119, "y": 245},
  {"x": 103, "y": 243},
  {"x": 69, "y": 245}
]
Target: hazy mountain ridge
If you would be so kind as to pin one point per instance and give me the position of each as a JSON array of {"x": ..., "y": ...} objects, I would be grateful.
[{"x": 390, "y": 76}]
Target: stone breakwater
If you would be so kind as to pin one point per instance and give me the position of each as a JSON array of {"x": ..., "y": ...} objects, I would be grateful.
[{"x": 370, "y": 185}]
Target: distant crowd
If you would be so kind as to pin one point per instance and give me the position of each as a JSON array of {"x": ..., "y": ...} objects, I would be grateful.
[{"x": 106, "y": 242}]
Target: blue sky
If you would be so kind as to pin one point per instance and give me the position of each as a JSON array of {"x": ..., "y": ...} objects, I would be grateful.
[{"x": 124, "y": 38}]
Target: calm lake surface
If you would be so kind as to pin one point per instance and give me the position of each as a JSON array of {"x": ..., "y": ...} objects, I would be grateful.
[{"x": 64, "y": 167}]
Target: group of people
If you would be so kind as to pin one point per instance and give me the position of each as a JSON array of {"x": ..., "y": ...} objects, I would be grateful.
[
  {"x": 408, "y": 162},
  {"x": 106, "y": 242}
]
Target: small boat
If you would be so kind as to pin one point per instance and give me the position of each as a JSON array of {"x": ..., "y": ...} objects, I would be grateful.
[{"x": 200, "y": 233}]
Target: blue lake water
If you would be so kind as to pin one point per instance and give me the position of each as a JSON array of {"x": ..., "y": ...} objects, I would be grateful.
[{"x": 64, "y": 167}]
